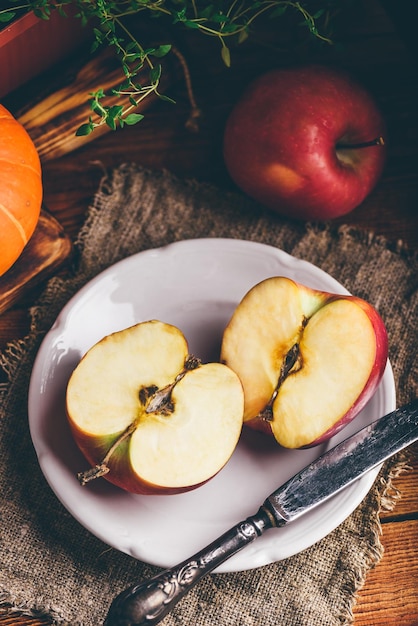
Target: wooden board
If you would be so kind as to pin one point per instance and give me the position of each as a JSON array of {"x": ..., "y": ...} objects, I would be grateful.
[
  {"x": 53, "y": 121},
  {"x": 49, "y": 41},
  {"x": 46, "y": 251}
]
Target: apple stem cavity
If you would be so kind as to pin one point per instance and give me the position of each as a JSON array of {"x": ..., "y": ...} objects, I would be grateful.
[
  {"x": 156, "y": 401},
  {"x": 378, "y": 141},
  {"x": 292, "y": 359}
]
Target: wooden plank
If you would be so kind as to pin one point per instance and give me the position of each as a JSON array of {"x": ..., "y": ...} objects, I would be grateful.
[
  {"x": 49, "y": 42},
  {"x": 45, "y": 252},
  {"x": 390, "y": 597},
  {"x": 407, "y": 485},
  {"x": 52, "y": 122},
  {"x": 14, "y": 323},
  {"x": 14, "y": 618}
]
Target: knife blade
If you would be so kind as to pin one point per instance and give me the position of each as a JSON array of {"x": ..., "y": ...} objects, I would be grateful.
[{"x": 148, "y": 602}]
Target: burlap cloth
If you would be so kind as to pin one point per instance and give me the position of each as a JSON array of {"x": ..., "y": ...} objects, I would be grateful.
[{"x": 49, "y": 563}]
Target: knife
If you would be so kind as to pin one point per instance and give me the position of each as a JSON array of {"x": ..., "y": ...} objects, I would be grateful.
[{"x": 147, "y": 603}]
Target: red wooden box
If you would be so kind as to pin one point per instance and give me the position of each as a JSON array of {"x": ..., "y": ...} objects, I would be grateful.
[{"x": 30, "y": 46}]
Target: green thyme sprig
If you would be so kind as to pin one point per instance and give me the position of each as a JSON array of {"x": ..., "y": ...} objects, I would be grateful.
[{"x": 226, "y": 20}]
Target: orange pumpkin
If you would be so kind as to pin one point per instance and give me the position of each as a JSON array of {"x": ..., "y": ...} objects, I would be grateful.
[{"x": 20, "y": 189}]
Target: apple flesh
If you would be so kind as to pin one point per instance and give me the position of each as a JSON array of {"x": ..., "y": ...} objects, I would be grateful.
[
  {"x": 308, "y": 360},
  {"x": 307, "y": 142},
  {"x": 149, "y": 417}
]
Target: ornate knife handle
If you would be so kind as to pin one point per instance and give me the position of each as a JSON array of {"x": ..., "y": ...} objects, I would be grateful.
[{"x": 149, "y": 602}]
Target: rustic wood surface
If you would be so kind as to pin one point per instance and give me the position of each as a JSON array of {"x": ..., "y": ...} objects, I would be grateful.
[
  {"x": 377, "y": 51},
  {"x": 48, "y": 248},
  {"x": 52, "y": 121}
]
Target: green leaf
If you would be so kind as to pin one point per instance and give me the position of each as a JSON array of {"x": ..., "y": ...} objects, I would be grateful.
[
  {"x": 190, "y": 24},
  {"x": 42, "y": 14},
  {"x": 136, "y": 69},
  {"x": 96, "y": 107},
  {"x": 229, "y": 28},
  {"x": 226, "y": 55},
  {"x": 85, "y": 129},
  {"x": 242, "y": 36},
  {"x": 97, "y": 95},
  {"x": 162, "y": 50},
  {"x": 115, "y": 110},
  {"x": 6, "y": 17},
  {"x": 133, "y": 118},
  {"x": 219, "y": 18},
  {"x": 122, "y": 87},
  {"x": 155, "y": 74},
  {"x": 280, "y": 10},
  {"x": 166, "y": 98},
  {"x": 207, "y": 12},
  {"x": 179, "y": 16},
  {"x": 110, "y": 121},
  {"x": 126, "y": 70}
]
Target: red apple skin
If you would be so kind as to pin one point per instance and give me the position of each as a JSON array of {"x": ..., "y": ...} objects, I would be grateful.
[
  {"x": 120, "y": 474},
  {"x": 369, "y": 388},
  {"x": 280, "y": 142}
]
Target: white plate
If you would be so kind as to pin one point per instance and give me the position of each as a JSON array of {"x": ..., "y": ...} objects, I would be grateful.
[{"x": 195, "y": 285}]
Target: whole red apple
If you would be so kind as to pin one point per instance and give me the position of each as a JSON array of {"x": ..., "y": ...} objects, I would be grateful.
[{"x": 307, "y": 142}]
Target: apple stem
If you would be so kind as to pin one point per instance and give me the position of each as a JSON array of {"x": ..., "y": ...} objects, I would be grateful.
[
  {"x": 102, "y": 468},
  {"x": 378, "y": 141}
]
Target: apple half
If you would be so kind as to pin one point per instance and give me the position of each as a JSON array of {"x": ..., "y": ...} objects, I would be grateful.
[
  {"x": 148, "y": 416},
  {"x": 308, "y": 360}
]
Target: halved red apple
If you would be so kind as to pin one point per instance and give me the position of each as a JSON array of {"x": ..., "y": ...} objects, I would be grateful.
[
  {"x": 149, "y": 417},
  {"x": 308, "y": 360}
]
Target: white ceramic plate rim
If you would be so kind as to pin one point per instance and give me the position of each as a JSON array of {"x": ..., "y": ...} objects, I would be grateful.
[{"x": 195, "y": 285}]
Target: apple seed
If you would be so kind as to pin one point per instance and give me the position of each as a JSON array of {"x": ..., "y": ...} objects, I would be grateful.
[{"x": 161, "y": 397}]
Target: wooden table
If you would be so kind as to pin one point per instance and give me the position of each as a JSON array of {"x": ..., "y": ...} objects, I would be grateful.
[{"x": 378, "y": 54}]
